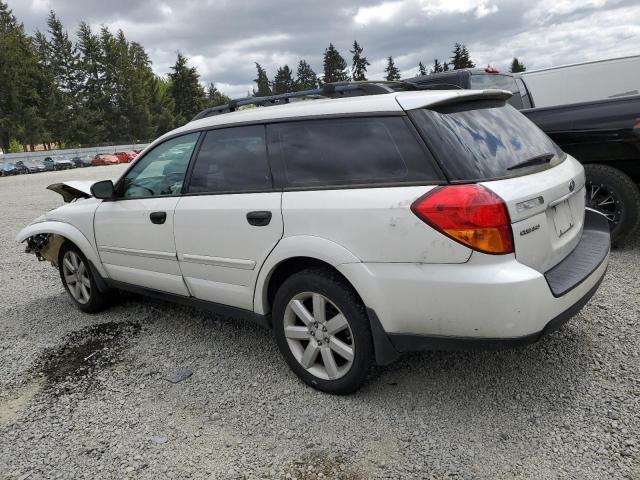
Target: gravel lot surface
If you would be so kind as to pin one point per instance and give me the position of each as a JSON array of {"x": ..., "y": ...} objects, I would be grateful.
[{"x": 90, "y": 396}]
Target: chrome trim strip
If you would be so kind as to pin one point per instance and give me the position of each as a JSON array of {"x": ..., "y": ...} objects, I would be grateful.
[
  {"x": 140, "y": 253},
  {"x": 218, "y": 261}
]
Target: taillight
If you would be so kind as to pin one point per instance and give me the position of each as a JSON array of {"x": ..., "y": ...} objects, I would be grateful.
[{"x": 470, "y": 214}]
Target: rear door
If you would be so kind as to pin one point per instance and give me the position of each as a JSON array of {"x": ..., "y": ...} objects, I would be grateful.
[
  {"x": 230, "y": 218},
  {"x": 352, "y": 181},
  {"x": 491, "y": 143}
]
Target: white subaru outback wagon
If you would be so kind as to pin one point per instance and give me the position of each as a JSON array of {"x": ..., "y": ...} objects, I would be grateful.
[{"x": 356, "y": 228}]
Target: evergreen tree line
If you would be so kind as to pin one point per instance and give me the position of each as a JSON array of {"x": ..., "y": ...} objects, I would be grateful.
[
  {"x": 97, "y": 89},
  {"x": 336, "y": 69},
  {"x": 100, "y": 88}
]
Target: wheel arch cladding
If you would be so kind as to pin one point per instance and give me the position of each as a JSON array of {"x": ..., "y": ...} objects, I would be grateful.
[
  {"x": 314, "y": 249},
  {"x": 69, "y": 233}
]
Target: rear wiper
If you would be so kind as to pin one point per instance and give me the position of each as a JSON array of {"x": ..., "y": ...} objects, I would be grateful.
[{"x": 537, "y": 160}]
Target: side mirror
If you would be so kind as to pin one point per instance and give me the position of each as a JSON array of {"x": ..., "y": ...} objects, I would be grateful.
[{"x": 103, "y": 190}]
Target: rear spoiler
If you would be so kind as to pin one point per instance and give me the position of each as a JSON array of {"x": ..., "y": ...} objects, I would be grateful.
[{"x": 414, "y": 100}]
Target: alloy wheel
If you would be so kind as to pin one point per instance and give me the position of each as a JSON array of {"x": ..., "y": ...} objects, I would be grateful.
[
  {"x": 319, "y": 335},
  {"x": 603, "y": 200},
  {"x": 76, "y": 276}
]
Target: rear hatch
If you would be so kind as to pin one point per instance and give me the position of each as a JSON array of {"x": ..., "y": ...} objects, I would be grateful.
[{"x": 491, "y": 143}]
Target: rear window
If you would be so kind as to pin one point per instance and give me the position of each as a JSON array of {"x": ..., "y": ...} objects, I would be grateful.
[
  {"x": 349, "y": 151},
  {"x": 485, "y": 140}
]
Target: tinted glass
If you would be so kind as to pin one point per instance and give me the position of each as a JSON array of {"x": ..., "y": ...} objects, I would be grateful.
[
  {"x": 502, "y": 82},
  {"x": 524, "y": 94},
  {"x": 349, "y": 151},
  {"x": 484, "y": 140},
  {"x": 162, "y": 170},
  {"x": 232, "y": 159}
]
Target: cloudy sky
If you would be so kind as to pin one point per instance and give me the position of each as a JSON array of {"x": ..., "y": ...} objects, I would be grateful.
[{"x": 224, "y": 38}]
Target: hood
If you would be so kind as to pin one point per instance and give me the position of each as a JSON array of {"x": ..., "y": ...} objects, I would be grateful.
[{"x": 72, "y": 190}]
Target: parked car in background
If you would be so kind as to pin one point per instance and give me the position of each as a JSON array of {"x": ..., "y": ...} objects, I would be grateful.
[
  {"x": 104, "y": 159},
  {"x": 81, "y": 161},
  {"x": 29, "y": 166},
  {"x": 55, "y": 163},
  {"x": 370, "y": 227},
  {"x": 7, "y": 169},
  {"x": 21, "y": 167},
  {"x": 603, "y": 134},
  {"x": 584, "y": 82},
  {"x": 125, "y": 157}
]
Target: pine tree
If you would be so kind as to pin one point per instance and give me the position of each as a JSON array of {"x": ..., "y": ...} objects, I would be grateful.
[
  {"x": 185, "y": 88},
  {"x": 421, "y": 69},
  {"x": 461, "y": 57},
  {"x": 283, "y": 81},
  {"x": 137, "y": 85},
  {"x": 306, "y": 78},
  {"x": 437, "y": 66},
  {"x": 392, "y": 71},
  {"x": 215, "y": 97},
  {"x": 161, "y": 107},
  {"x": 61, "y": 61},
  {"x": 92, "y": 97},
  {"x": 334, "y": 66},
  {"x": 517, "y": 66},
  {"x": 20, "y": 81},
  {"x": 264, "y": 86},
  {"x": 445, "y": 66},
  {"x": 360, "y": 63}
]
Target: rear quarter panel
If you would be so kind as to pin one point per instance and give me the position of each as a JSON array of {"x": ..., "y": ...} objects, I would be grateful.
[{"x": 375, "y": 224}]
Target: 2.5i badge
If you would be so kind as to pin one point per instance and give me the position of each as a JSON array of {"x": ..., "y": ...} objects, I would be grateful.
[{"x": 528, "y": 230}]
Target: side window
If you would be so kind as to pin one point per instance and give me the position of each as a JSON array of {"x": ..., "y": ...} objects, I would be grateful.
[
  {"x": 349, "y": 151},
  {"x": 162, "y": 170},
  {"x": 232, "y": 159}
]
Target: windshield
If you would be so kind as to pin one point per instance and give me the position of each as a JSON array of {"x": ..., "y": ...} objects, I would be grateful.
[{"x": 484, "y": 140}]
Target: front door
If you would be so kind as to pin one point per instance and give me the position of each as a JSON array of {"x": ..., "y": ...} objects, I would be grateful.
[
  {"x": 230, "y": 218},
  {"x": 134, "y": 232}
]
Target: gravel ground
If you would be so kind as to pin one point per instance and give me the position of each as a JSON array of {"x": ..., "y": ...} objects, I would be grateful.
[{"x": 89, "y": 396}]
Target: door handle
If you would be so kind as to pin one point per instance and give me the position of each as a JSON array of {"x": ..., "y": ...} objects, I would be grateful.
[
  {"x": 158, "y": 217},
  {"x": 259, "y": 219}
]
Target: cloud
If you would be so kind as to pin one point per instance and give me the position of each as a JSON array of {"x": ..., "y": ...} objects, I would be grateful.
[
  {"x": 439, "y": 7},
  {"x": 378, "y": 13},
  {"x": 224, "y": 38}
]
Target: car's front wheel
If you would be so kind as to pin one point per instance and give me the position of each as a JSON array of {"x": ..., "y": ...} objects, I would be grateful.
[
  {"x": 323, "y": 331},
  {"x": 79, "y": 280}
]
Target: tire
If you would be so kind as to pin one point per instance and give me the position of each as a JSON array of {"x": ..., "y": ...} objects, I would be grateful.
[
  {"x": 85, "y": 294},
  {"x": 339, "y": 339},
  {"x": 612, "y": 193}
]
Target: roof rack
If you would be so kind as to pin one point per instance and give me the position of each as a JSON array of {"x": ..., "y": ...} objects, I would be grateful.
[{"x": 328, "y": 90}]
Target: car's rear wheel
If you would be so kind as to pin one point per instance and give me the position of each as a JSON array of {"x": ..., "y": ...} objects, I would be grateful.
[
  {"x": 322, "y": 331},
  {"x": 79, "y": 281},
  {"x": 613, "y": 194}
]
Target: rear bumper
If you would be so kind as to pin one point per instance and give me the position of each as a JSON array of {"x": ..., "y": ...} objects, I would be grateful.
[
  {"x": 408, "y": 343},
  {"x": 488, "y": 302}
]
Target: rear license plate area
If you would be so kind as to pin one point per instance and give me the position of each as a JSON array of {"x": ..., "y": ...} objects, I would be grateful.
[{"x": 563, "y": 217}]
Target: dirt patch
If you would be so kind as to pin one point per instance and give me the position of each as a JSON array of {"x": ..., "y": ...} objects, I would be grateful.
[
  {"x": 324, "y": 466},
  {"x": 12, "y": 407},
  {"x": 84, "y": 353}
]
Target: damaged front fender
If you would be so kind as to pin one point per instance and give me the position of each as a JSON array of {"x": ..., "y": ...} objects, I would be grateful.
[{"x": 48, "y": 236}]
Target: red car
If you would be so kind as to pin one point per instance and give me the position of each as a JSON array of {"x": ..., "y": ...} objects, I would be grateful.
[
  {"x": 101, "y": 159},
  {"x": 125, "y": 157}
]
